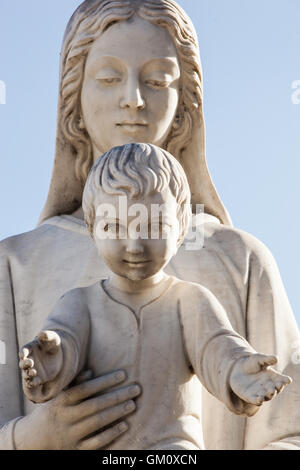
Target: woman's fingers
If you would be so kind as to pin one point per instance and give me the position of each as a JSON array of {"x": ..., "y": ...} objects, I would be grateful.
[
  {"x": 93, "y": 387},
  {"x": 108, "y": 400},
  {"x": 83, "y": 377},
  {"x": 104, "y": 438},
  {"x": 98, "y": 421}
]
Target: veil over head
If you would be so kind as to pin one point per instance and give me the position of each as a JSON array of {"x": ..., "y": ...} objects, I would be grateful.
[{"x": 66, "y": 188}]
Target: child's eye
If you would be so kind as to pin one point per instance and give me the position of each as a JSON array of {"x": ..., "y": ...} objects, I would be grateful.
[
  {"x": 111, "y": 227},
  {"x": 165, "y": 230},
  {"x": 159, "y": 230},
  {"x": 115, "y": 230}
]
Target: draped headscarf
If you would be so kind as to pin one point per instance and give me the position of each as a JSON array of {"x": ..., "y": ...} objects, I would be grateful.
[{"x": 186, "y": 141}]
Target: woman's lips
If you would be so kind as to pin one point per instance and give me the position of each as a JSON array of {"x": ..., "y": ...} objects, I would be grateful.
[{"x": 132, "y": 126}]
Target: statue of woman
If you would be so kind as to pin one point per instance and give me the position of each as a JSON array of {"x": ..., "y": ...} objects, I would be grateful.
[{"x": 130, "y": 71}]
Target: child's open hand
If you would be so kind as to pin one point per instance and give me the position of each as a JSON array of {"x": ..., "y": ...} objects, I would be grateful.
[
  {"x": 255, "y": 381},
  {"x": 41, "y": 361}
]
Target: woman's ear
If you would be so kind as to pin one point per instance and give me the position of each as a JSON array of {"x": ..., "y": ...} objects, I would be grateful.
[{"x": 81, "y": 124}]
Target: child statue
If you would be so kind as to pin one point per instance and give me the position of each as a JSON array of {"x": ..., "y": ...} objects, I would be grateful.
[{"x": 169, "y": 335}]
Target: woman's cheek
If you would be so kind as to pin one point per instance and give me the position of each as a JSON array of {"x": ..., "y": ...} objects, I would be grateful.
[{"x": 166, "y": 109}]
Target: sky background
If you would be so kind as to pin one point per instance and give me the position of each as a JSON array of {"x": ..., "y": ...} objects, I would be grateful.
[{"x": 250, "y": 54}]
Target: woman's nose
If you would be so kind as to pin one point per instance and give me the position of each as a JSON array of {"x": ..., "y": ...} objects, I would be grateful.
[{"x": 132, "y": 95}]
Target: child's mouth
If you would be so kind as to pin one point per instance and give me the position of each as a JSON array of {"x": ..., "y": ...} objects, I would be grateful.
[{"x": 136, "y": 264}]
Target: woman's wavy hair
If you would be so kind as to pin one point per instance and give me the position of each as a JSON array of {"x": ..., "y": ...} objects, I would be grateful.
[{"x": 94, "y": 17}]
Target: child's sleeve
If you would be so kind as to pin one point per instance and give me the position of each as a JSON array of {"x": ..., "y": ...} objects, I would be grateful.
[
  {"x": 70, "y": 319},
  {"x": 212, "y": 346}
]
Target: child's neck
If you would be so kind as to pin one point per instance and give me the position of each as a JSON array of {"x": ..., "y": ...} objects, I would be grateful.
[
  {"x": 135, "y": 287},
  {"x": 136, "y": 294}
]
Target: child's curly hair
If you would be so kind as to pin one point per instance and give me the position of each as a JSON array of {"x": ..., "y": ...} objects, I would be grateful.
[{"x": 137, "y": 170}]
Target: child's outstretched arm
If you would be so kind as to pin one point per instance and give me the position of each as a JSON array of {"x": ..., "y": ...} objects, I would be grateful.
[
  {"x": 254, "y": 380},
  {"x": 41, "y": 362},
  {"x": 225, "y": 363},
  {"x": 56, "y": 356}
]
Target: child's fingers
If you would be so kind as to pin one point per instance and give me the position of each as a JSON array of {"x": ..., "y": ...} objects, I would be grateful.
[
  {"x": 258, "y": 362},
  {"x": 45, "y": 336},
  {"x": 26, "y": 364},
  {"x": 36, "y": 381},
  {"x": 31, "y": 373},
  {"x": 26, "y": 351},
  {"x": 266, "y": 361},
  {"x": 280, "y": 384},
  {"x": 276, "y": 377},
  {"x": 28, "y": 384},
  {"x": 271, "y": 392},
  {"x": 287, "y": 380},
  {"x": 33, "y": 382},
  {"x": 258, "y": 400},
  {"x": 273, "y": 387},
  {"x": 49, "y": 341}
]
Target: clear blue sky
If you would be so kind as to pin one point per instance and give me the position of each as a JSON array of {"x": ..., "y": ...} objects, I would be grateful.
[{"x": 250, "y": 51}]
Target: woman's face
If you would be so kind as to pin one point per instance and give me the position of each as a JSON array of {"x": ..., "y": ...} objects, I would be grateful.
[{"x": 130, "y": 90}]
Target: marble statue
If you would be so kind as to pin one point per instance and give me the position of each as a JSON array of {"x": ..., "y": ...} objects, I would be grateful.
[
  {"x": 166, "y": 333},
  {"x": 131, "y": 71}
]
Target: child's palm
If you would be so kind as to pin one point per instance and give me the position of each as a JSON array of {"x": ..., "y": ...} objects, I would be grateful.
[
  {"x": 41, "y": 360},
  {"x": 254, "y": 381}
]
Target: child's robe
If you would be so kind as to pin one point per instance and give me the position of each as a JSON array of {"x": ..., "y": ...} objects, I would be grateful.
[{"x": 175, "y": 338}]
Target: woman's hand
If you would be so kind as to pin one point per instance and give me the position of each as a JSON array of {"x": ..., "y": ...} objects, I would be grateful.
[{"x": 65, "y": 422}]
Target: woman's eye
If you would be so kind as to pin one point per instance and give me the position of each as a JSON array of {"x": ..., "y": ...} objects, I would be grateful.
[
  {"x": 158, "y": 83},
  {"x": 108, "y": 76},
  {"x": 109, "y": 81}
]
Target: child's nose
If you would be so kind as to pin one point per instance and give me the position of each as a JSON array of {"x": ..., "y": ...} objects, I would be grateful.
[{"x": 135, "y": 247}]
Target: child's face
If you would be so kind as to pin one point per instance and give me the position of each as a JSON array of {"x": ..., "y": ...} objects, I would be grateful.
[{"x": 135, "y": 240}]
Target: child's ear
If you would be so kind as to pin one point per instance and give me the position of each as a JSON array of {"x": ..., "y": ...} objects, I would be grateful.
[
  {"x": 178, "y": 245},
  {"x": 176, "y": 250}
]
